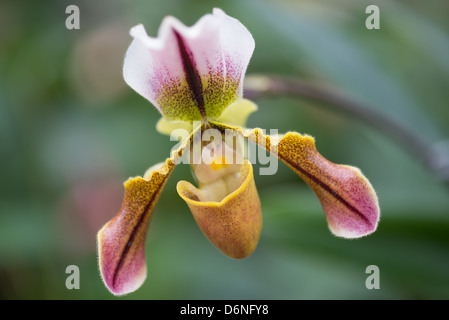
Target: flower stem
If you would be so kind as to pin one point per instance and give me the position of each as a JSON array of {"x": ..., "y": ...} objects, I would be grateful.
[{"x": 434, "y": 159}]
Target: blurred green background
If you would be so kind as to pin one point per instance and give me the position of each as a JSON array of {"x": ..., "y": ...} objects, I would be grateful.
[{"x": 71, "y": 132}]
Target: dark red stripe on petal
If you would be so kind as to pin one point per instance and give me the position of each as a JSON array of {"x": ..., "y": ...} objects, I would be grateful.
[
  {"x": 192, "y": 76},
  {"x": 130, "y": 241},
  {"x": 128, "y": 245},
  {"x": 331, "y": 191}
]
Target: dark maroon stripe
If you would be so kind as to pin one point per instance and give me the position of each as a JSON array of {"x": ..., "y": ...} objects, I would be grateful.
[
  {"x": 192, "y": 76},
  {"x": 332, "y": 192},
  {"x": 133, "y": 235}
]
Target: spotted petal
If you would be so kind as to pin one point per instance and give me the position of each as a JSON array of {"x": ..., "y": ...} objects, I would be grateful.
[
  {"x": 121, "y": 241},
  {"x": 347, "y": 197},
  {"x": 190, "y": 73}
]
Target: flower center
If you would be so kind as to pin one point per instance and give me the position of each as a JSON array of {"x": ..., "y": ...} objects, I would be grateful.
[{"x": 219, "y": 163}]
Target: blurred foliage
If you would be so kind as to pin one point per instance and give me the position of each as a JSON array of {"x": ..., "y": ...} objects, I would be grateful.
[{"x": 71, "y": 132}]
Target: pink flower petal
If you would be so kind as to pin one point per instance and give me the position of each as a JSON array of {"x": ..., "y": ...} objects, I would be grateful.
[
  {"x": 190, "y": 73},
  {"x": 348, "y": 199},
  {"x": 121, "y": 241}
]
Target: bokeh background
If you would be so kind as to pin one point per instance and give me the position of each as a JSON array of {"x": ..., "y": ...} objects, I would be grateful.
[{"x": 71, "y": 132}]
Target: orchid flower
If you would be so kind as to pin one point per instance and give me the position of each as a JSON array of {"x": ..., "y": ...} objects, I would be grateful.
[{"x": 194, "y": 77}]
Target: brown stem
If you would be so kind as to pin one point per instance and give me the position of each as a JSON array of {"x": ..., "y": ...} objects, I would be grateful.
[{"x": 435, "y": 160}]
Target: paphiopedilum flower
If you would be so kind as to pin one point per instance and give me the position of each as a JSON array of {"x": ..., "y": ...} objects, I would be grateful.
[{"x": 194, "y": 77}]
